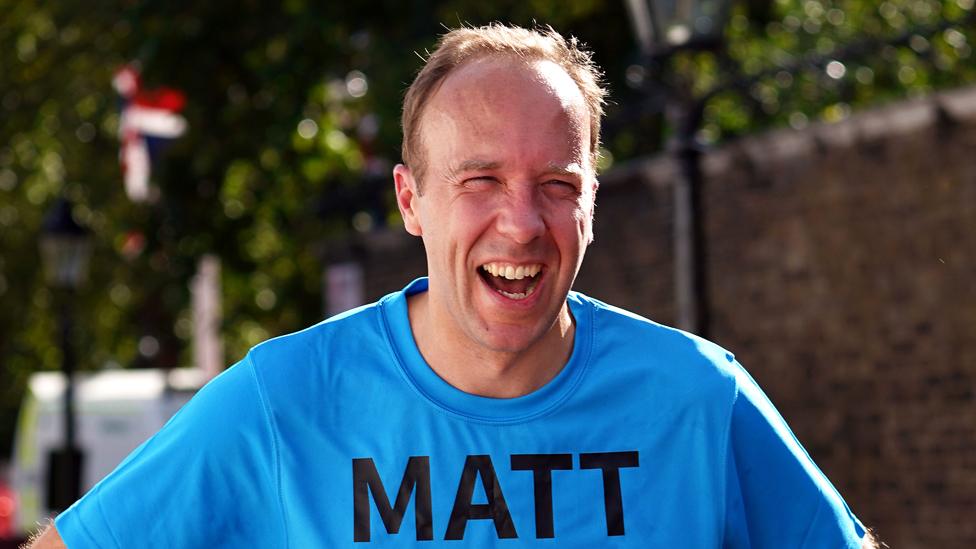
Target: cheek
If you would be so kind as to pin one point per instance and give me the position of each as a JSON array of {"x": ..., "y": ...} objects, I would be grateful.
[
  {"x": 571, "y": 226},
  {"x": 583, "y": 214},
  {"x": 583, "y": 224},
  {"x": 470, "y": 212},
  {"x": 461, "y": 222}
]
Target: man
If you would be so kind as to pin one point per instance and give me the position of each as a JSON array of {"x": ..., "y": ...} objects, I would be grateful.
[{"x": 486, "y": 404}]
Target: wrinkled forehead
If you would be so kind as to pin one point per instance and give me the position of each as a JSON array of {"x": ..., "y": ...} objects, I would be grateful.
[
  {"x": 536, "y": 92},
  {"x": 500, "y": 77}
]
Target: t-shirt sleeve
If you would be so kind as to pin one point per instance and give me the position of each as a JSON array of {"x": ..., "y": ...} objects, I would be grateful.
[
  {"x": 208, "y": 478},
  {"x": 776, "y": 495}
]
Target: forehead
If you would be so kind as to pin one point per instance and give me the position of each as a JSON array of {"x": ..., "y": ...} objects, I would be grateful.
[
  {"x": 509, "y": 105},
  {"x": 505, "y": 76}
]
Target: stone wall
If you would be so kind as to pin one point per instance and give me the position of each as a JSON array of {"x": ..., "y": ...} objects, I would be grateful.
[{"x": 840, "y": 266}]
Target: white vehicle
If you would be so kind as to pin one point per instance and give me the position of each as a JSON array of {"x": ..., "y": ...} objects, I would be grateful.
[{"x": 115, "y": 411}]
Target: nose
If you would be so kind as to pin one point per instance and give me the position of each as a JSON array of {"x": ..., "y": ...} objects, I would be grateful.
[{"x": 521, "y": 217}]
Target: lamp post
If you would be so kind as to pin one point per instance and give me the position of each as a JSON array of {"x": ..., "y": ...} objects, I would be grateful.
[
  {"x": 65, "y": 252},
  {"x": 663, "y": 27}
]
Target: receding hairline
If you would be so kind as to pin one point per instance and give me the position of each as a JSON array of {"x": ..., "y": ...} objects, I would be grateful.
[
  {"x": 460, "y": 47},
  {"x": 540, "y": 76}
]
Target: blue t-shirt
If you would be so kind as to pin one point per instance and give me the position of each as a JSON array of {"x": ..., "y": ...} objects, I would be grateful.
[{"x": 341, "y": 436}]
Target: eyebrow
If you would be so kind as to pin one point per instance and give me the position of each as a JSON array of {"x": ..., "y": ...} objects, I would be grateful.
[
  {"x": 471, "y": 166},
  {"x": 573, "y": 169}
]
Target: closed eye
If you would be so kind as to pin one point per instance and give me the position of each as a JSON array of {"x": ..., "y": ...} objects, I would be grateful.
[
  {"x": 479, "y": 182},
  {"x": 562, "y": 186}
]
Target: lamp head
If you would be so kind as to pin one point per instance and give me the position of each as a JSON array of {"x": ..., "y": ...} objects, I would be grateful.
[{"x": 65, "y": 247}]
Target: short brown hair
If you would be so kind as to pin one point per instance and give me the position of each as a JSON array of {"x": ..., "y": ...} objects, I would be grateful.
[{"x": 459, "y": 46}]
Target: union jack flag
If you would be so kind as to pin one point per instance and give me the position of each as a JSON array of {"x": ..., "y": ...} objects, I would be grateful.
[{"x": 149, "y": 119}]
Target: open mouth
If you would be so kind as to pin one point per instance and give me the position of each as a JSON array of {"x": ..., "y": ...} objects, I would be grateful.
[{"x": 516, "y": 282}]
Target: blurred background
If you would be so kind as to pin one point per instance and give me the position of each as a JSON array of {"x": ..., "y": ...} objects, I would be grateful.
[{"x": 792, "y": 178}]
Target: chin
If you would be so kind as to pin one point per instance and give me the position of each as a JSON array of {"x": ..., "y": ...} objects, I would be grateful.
[{"x": 511, "y": 339}]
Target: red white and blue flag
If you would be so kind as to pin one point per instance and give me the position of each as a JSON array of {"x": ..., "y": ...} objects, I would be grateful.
[{"x": 149, "y": 119}]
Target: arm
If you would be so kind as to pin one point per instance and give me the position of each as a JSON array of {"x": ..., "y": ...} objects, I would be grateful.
[
  {"x": 47, "y": 539},
  {"x": 210, "y": 474},
  {"x": 767, "y": 466}
]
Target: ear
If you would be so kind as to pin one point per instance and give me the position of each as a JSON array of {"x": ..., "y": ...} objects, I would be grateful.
[{"x": 407, "y": 196}]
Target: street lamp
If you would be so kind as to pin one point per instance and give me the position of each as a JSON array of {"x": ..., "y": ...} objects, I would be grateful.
[
  {"x": 65, "y": 247},
  {"x": 662, "y": 28},
  {"x": 665, "y": 25},
  {"x": 65, "y": 252}
]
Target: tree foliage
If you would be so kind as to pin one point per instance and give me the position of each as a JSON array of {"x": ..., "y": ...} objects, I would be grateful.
[{"x": 293, "y": 111}]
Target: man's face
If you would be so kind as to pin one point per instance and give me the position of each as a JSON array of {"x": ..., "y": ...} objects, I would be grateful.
[{"x": 507, "y": 200}]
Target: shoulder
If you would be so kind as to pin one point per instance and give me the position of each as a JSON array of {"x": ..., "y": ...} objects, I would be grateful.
[
  {"x": 323, "y": 358},
  {"x": 659, "y": 360},
  {"x": 323, "y": 337},
  {"x": 617, "y": 329}
]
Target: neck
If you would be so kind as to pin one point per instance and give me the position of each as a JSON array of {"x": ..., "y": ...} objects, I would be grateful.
[{"x": 478, "y": 370}]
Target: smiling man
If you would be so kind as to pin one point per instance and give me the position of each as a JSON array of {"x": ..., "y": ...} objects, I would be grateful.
[
  {"x": 486, "y": 404},
  {"x": 501, "y": 189}
]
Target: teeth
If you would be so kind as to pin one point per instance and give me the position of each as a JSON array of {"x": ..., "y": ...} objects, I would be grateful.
[
  {"x": 512, "y": 272},
  {"x": 516, "y": 296}
]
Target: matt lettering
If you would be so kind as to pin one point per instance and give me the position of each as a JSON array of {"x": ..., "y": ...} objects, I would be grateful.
[
  {"x": 611, "y": 463},
  {"x": 496, "y": 508},
  {"x": 365, "y": 479},
  {"x": 542, "y": 466}
]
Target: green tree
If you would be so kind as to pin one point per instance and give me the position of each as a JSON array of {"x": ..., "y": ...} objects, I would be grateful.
[{"x": 293, "y": 110}]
